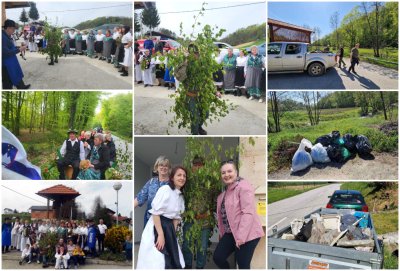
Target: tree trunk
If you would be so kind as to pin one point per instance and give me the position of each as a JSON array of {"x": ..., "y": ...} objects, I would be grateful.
[
  {"x": 32, "y": 112},
  {"x": 383, "y": 105},
  {"x": 72, "y": 111},
  {"x": 20, "y": 101},
  {"x": 7, "y": 107}
]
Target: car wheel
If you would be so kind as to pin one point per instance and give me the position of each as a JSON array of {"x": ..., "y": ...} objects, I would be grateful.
[{"x": 316, "y": 69}]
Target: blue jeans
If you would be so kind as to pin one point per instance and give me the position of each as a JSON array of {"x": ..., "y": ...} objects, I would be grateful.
[
  {"x": 196, "y": 119},
  {"x": 201, "y": 257}
]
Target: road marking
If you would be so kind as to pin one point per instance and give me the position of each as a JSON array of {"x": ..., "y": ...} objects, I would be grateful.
[{"x": 280, "y": 221}]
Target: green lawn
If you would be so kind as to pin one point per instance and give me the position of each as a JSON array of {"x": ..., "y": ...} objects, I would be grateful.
[
  {"x": 284, "y": 192},
  {"x": 248, "y": 44},
  {"x": 390, "y": 261},
  {"x": 295, "y": 126}
]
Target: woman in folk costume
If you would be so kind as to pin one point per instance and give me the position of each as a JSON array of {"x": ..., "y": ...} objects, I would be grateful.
[
  {"x": 98, "y": 45},
  {"x": 127, "y": 41},
  {"x": 65, "y": 42},
  {"x": 78, "y": 42},
  {"x": 168, "y": 77},
  {"x": 107, "y": 46},
  {"x": 146, "y": 63},
  {"x": 159, "y": 247},
  {"x": 72, "y": 44},
  {"x": 84, "y": 40},
  {"x": 90, "y": 44},
  {"x": 138, "y": 70},
  {"x": 239, "y": 76},
  {"x": 229, "y": 63},
  {"x": 253, "y": 72}
]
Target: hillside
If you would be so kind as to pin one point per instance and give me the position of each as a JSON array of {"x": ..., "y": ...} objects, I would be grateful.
[
  {"x": 245, "y": 35},
  {"x": 104, "y": 20}
]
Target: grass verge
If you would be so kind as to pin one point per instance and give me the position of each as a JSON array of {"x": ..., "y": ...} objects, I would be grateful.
[{"x": 284, "y": 192}]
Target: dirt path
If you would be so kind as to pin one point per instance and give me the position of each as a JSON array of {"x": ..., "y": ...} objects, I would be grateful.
[{"x": 383, "y": 167}]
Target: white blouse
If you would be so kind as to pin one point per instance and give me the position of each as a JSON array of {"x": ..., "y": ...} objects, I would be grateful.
[
  {"x": 126, "y": 38},
  {"x": 168, "y": 203},
  {"x": 100, "y": 37},
  {"x": 241, "y": 61}
]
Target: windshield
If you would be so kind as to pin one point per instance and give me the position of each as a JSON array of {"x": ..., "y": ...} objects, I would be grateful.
[
  {"x": 347, "y": 199},
  {"x": 174, "y": 43}
]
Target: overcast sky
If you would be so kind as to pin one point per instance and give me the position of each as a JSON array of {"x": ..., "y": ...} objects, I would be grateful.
[
  {"x": 89, "y": 190},
  {"x": 70, "y": 13},
  {"x": 231, "y": 18}
]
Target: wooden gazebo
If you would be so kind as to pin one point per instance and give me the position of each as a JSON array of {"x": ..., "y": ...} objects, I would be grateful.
[
  {"x": 281, "y": 31},
  {"x": 63, "y": 198}
]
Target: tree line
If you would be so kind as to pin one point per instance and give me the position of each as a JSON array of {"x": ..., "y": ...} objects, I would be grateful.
[
  {"x": 372, "y": 24},
  {"x": 247, "y": 34},
  {"x": 104, "y": 20},
  {"x": 313, "y": 102}
]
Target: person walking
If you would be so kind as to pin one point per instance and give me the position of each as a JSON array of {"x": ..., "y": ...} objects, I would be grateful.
[
  {"x": 341, "y": 54},
  {"x": 354, "y": 58}
]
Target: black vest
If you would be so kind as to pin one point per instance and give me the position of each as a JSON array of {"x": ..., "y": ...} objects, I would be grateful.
[{"x": 72, "y": 152}]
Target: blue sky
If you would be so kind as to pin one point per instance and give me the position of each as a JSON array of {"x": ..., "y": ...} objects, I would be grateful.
[
  {"x": 68, "y": 14},
  {"x": 309, "y": 13}
]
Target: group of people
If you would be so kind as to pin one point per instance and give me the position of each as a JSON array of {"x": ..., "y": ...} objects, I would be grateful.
[
  {"x": 113, "y": 46},
  {"x": 76, "y": 240},
  {"x": 238, "y": 223},
  {"x": 354, "y": 58},
  {"x": 89, "y": 155},
  {"x": 244, "y": 75}
]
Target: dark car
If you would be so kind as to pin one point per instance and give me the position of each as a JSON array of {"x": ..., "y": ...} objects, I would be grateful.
[{"x": 347, "y": 199}]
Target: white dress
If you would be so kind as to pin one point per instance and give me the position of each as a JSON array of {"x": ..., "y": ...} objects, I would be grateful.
[
  {"x": 128, "y": 57},
  {"x": 168, "y": 203}
]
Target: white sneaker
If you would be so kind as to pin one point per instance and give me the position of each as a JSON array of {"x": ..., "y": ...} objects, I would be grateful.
[
  {"x": 29, "y": 262},
  {"x": 251, "y": 98},
  {"x": 260, "y": 100}
]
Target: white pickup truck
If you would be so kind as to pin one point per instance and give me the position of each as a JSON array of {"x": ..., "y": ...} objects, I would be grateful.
[{"x": 289, "y": 57}]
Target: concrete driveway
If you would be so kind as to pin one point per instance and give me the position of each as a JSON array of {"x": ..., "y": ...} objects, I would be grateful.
[
  {"x": 72, "y": 72},
  {"x": 369, "y": 76},
  {"x": 282, "y": 212},
  {"x": 249, "y": 118}
]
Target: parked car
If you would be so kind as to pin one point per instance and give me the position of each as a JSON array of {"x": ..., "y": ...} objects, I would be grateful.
[
  {"x": 347, "y": 199},
  {"x": 169, "y": 44},
  {"x": 261, "y": 49},
  {"x": 289, "y": 57},
  {"x": 224, "y": 48}
]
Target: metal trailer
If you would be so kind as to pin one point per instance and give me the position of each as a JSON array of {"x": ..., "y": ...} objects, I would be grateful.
[{"x": 291, "y": 254}]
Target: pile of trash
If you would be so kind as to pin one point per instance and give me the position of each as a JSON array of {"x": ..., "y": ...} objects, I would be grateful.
[
  {"x": 329, "y": 148},
  {"x": 349, "y": 229}
]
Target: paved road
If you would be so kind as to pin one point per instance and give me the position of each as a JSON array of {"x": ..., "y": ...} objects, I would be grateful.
[
  {"x": 384, "y": 166},
  {"x": 72, "y": 72},
  {"x": 126, "y": 149},
  {"x": 369, "y": 76},
  {"x": 282, "y": 212},
  {"x": 249, "y": 118}
]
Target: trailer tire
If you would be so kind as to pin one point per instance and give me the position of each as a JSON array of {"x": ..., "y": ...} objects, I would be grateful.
[{"x": 316, "y": 69}]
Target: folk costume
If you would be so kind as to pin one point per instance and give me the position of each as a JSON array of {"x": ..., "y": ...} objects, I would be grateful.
[
  {"x": 169, "y": 205},
  {"x": 253, "y": 71},
  {"x": 229, "y": 63}
]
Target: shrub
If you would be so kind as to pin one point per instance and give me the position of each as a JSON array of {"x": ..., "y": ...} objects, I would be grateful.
[{"x": 115, "y": 238}]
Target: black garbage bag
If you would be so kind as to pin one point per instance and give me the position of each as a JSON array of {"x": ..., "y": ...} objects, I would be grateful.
[
  {"x": 325, "y": 140},
  {"x": 350, "y": 142},
  {"x": 363, "y": 145},
  {"x": 335, "y": 135},
  {"x": 338, "y": 153},
  {"x": 305, "y": 232}
]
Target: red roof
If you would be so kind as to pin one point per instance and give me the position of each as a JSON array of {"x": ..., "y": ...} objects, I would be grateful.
[{"x": 59, "y": 190}]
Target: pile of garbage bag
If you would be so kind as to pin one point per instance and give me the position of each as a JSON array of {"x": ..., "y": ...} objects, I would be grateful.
[
  {"x": 329, "y": 148},
  {"x": 349, "y": 230}
]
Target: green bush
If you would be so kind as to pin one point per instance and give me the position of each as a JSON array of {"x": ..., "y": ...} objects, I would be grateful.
[{"x": 381, "y": 142}]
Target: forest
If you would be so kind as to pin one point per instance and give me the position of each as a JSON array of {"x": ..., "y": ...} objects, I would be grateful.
[
  {"x": 247, "y": 34},
  {"x": 372, "y": 24},
  {"x": 41, "y": 119},
  {"x": 104, "y": 20}
]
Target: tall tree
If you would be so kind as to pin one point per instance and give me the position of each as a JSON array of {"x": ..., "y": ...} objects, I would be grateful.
[
  {"x": 23, "y": 17},
  {"x": 137, "y": 23},
  {"x": 19, "y": 101},
  {"x": 150, "y": 18},
  {"x": 33, "y": 11},
  {"x": 334, "y": 21},
  {"x": 74, "y": 95}
]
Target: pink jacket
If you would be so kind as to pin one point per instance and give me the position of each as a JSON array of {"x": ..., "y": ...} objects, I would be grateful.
[{"x": 241, "y": 212}]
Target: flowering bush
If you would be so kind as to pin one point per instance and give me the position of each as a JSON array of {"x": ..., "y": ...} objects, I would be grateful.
[{"x": 115, "y": 238}]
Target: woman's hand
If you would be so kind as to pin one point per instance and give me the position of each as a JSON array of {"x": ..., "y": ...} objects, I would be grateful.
[
  {"x": 160, "y": 242},
  {"x": 239, "y": 243}
]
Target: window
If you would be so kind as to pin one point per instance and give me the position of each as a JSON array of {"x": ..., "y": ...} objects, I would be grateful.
[
  {"x": 274, "y": 49},
  {"x": 293, "y": 49}
]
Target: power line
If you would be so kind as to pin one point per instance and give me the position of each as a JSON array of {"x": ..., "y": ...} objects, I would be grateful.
[
  {"x": 22, "y": 194},
  {"x": 195, "y": 10},
  {"x": 68, "y": 10}
]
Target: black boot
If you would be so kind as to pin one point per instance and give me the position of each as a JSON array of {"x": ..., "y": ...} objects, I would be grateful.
[
  {"x": 202, "y": 131},
  {"x": 21, "y": 85},
  {"x": 125, "y": 73},
  {"x": 56, "y": 61},
  {"x": 122, "y": 70},
  {"x": 51, "y": 63}
]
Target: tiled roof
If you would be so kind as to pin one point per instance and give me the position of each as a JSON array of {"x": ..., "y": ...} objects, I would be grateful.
[{"x": 59, "y": 189}]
